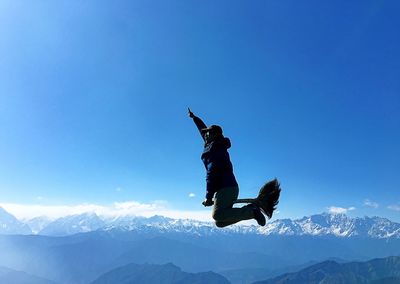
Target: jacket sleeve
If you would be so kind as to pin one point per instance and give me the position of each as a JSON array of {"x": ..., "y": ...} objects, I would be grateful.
[
  {"x": 214, "y": 169},
  {"x": 210, "y": 178},
  {"x": 200, "y": 125}
]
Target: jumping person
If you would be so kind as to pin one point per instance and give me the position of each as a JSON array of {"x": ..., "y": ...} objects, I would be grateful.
[{"x": 221, "y": 181}]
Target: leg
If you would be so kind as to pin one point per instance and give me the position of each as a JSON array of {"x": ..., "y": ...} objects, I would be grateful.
[{"x": 223, "y": 213}]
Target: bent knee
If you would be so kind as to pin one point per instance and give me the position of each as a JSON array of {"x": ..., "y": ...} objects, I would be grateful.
[{"x": 217, "y": 216}]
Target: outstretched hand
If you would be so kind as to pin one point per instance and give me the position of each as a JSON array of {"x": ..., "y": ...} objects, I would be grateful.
[{"x": 191, "y": 115}]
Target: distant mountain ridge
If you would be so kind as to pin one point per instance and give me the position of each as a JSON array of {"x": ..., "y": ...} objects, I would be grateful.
[
  {"x": 336, "y": 225},
  {"x": 37, "y": 224},
  {"x": 73, "y": 224},
  {"x": 12, "y": 276},
  {"x": 373, "y": 271},
  {"x": 157, "y": 274},
  {"x": 82, "y": 258},
  {"x": 339, "y": 225},
  {"x": 9, "y": 225}
]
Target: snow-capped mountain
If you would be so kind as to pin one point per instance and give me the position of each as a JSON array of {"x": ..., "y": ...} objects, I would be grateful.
[
  {"x": 73, "y": 224},
  {"x": 38, "y": 223},
  {"x": 339, "y": 225},
  {"x": 168, "y": 225},
  {"x": 10, "y": 225}
]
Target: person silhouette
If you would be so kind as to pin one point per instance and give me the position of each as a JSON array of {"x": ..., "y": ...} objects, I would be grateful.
[{"x": 220, "y": 179}]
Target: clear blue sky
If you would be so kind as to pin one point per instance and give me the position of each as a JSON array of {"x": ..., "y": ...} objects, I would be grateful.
[{"x": 94, "y": 97}]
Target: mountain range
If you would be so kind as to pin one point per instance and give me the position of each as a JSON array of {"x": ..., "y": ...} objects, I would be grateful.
[
  {"x": 19, "y": 277},
  {"x": 81, "y": 248},
  {"x": 158, "y": 274},
  {"x": 337, "y": 225},
  {"x": 375, "y": 271},
  {"x": 11, "y": 225},
  {"x": 82, "y": 258},
  {"x": 73, "y": 224},
  {"x": 384, "y": 270}
]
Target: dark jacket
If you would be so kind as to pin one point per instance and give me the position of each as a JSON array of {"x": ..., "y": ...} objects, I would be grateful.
[{"x": 217, "y": 162}]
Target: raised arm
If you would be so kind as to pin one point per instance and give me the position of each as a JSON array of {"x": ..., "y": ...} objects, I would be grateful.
[{"x": 199, "y": 123}]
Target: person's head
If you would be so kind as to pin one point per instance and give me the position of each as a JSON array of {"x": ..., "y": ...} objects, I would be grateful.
[{"x": 212, "y": 132}]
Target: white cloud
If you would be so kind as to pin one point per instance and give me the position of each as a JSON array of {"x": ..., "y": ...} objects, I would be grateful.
[
  {"x": 340, "y": 210},
  {"x": 127, "y": 208},
  {"x": 395, "y": 207},
  {"x": 191, "y": 195},
  {"x": 28, "y": 211},
  {"x": 118, "y": 189},
  {"x": 370, "y": 203}
]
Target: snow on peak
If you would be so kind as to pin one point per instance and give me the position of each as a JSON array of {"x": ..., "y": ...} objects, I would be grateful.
[
  {"x": 325, "y": 224},
  {"x": 73, "y": 224},
  {"x": 339, "y": 225},
  {"x": 11, "y": 225}
]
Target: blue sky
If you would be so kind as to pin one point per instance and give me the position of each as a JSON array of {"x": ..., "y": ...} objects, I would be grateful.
[{"x": 94, "y": 97}]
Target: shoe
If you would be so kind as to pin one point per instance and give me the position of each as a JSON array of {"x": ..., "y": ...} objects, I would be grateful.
[
  {"x": 258, "y": 215},
  {"x": 268, "y": 197}
]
